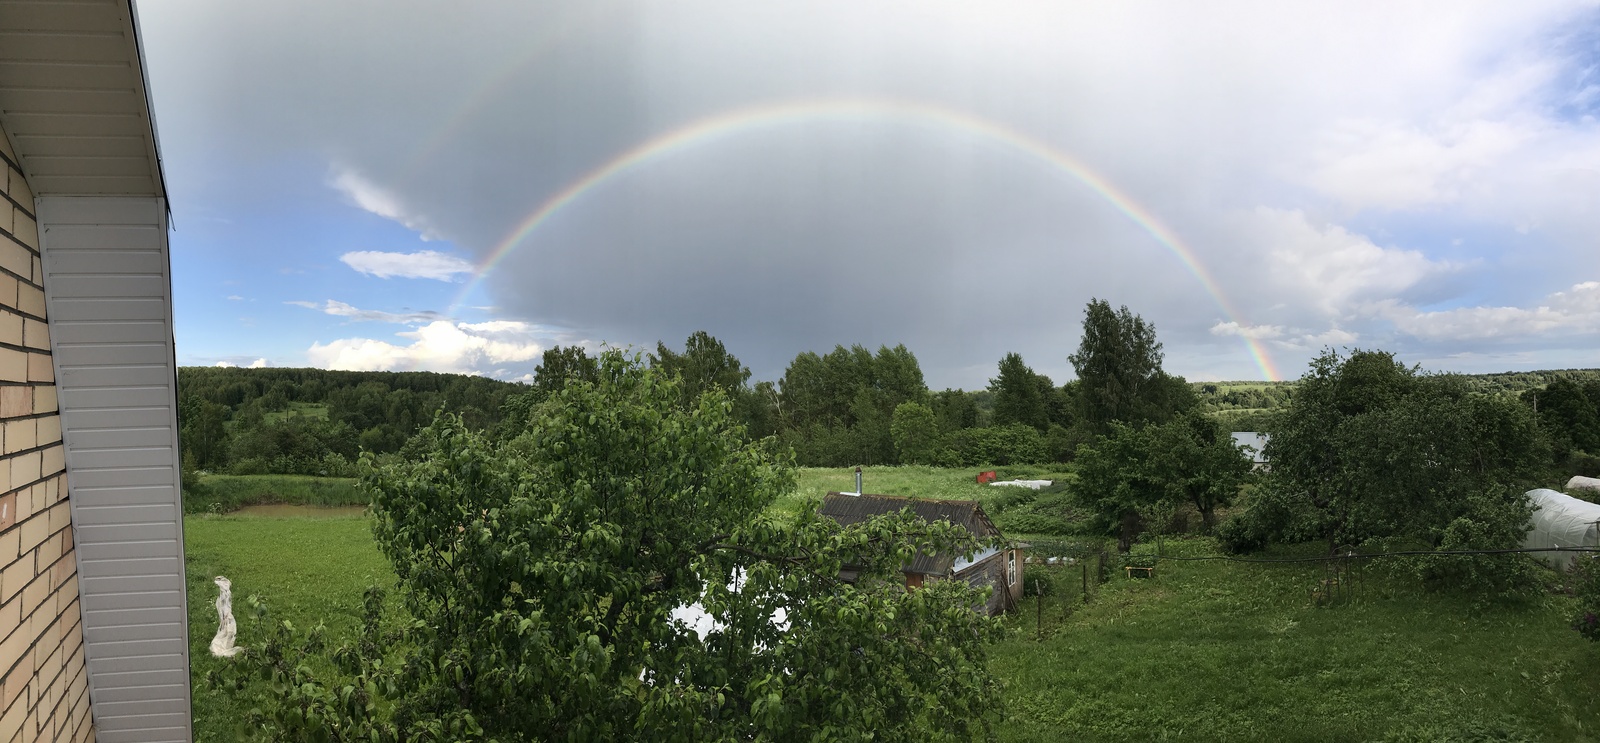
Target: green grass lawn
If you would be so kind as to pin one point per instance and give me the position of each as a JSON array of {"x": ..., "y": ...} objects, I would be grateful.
[
  {"x": 1204, "y": 651},
  {"x": 1215, "y": 651},
  {"x": 306, "y": 569}
]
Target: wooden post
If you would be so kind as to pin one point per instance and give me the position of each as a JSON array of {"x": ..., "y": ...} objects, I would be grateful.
[
  {"x": 1038, "y": 595},
  {"x": 1085, "y": 567}
]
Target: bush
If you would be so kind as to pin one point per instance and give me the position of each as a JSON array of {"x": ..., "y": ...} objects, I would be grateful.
[
  {"x": 1487, "y": 525},
  {"x": 1038, "y": 579},
  {"x": 1586, "y": 587}
]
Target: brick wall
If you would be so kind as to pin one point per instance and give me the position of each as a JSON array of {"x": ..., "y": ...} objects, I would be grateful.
[{"x": 44, "y": 687}]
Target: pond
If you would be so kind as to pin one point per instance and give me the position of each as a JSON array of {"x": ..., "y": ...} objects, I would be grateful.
[{"x": 283, "y": 510}]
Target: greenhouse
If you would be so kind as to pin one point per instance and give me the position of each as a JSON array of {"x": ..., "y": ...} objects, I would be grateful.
[{"x": 1561, "y": 521}]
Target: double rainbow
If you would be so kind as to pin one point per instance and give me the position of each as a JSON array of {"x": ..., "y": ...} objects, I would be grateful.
[{"x": 788, "y": 113}]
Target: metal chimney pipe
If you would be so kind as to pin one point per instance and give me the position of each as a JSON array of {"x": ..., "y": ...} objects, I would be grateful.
[{"x": 858, "y": 480}]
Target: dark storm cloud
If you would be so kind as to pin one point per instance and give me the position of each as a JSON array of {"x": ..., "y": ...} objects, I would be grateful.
[{"x": 1253, "y": 132}]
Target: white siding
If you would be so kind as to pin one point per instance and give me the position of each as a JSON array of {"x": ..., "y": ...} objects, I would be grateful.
[{"x": 108, "y": 290}]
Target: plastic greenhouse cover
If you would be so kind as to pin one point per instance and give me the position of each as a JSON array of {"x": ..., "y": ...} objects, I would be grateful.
[{"x": 1561, "y": 520}]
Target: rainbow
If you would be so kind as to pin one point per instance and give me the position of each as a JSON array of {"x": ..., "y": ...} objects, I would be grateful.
[{"x": 786, "y": 113}]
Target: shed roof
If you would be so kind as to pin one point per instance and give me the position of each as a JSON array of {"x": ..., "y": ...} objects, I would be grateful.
[
  {"x": 849, "y": 509},
  {"x": 74, "y": 98}
]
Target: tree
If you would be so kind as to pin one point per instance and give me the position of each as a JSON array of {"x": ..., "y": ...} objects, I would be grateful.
[
  {"x": 1197, "y": 461},
  {"x": 560, "y": 365},
  {"x": 540, "y": 577},
  {"x": 915, "y": 432},
  {"x": 1119, "y": 368},
  {"x": 1020, "y": 395},
  {"x": 705, "y": 364},
  {"x": 1115, "y": 481},
  {"x": 1369, "y": 448}
]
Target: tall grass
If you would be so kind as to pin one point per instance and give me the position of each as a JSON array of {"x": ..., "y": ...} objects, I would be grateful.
[{"x": 225, "y": 493}]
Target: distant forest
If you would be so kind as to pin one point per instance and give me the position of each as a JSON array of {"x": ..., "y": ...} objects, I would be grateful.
[{"x": 844, "y": 407}]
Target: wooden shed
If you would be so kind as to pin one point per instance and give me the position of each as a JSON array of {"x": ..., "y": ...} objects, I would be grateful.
[{"x": 999, "y": 567}]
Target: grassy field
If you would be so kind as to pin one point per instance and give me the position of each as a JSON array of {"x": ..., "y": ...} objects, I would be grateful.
[
  {"x": 219, "y": 494},
  {"x": 298, "y": 410},
  {"x": 1216, "y": 651},
  {"x": 306, "y": 569},
  {"x": 1203, "y": 651}
]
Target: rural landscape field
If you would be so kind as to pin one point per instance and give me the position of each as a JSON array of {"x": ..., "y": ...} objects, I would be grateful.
[{"x": 1173, "y": 590}]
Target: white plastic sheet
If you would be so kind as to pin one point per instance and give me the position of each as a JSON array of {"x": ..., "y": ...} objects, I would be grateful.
[
  {"x": 1560, "y": 520},
  {"x": 1579, "y": 482}
]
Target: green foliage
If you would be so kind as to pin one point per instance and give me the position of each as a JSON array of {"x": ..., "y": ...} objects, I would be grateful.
[
  {"x": 838, "y": 409},
  {"x": 992, "y": 446},
  {"x": 1486, "y": 524},
  {"x": 1371, "y": 449},
  {"x": 705, "y": 364},
  {"x": 1024, "y": 396},
  {"x": 539, "y": 575},
  {"x": 1119, "y": 371},
  {"x": 915, "y": 433},
  {"x": 1586, "y": 589},
  {"x": 1114, "y": 482}
]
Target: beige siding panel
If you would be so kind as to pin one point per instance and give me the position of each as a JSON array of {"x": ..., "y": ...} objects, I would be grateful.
[
  {"x": 109, "y": 398},
  {"x": 59, "y": 17},
  {"x": 125, "y": 551},
  {"x": 140, "y": 583},
  {"x": 48, "y": 145},
  {"x": 24, "y": 123},
  {"x": 117, "y": 496},
  {"x": 112, "y": 438},
  {"x": 109, "y": 261},
  {"x": 110, "y": 376},
  {"x": 90, "y": 309},
  {"x": 109, "y": 304},
  {"x": 127, "y": 331},
  {"x": 115, "y": 477}
]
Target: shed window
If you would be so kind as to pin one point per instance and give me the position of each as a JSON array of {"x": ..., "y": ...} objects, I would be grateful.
[{"x": 1011, "y": 568}]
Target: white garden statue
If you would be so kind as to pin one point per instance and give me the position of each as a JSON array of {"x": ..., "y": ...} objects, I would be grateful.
[{"x": 222, "y": 645}]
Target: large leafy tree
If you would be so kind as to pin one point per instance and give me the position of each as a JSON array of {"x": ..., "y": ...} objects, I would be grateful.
[
  {"x": 1197, "y": 461},
  {"x": 1116, "y": 479},
  {"x": 1118, "y": 363},
  {"x": 539, "y": 577},
  {"x": 1370, "y": 448},
  {"x": 704, "y": 364},
  {"x": 1186, "y": 460},
  {"x": 838, "y": 408},
  {"x": 1021, "y": 395}
]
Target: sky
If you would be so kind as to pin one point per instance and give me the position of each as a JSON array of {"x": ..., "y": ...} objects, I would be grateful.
[{"x": 457, "y": 187}]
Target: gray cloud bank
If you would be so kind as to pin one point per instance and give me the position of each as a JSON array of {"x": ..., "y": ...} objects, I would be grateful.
[{"x": 1418, "y": 176}]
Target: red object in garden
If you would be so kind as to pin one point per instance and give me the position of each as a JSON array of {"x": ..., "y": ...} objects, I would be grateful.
[{"x": 987, "y": 476}]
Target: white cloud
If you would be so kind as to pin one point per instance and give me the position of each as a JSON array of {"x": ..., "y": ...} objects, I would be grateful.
[
  {"x": 235, "y": 297},
  {"x": 1247, "y": 331},
  {"x": 258, "y": 364},
  {"x": 441, "y": 346},
  {"x": 341, "y": 309},
  {"x": 1329, "y": 268},
  {"x": 425, "y": 264},
  {"x": 378, "y": 200},
  {"x": 1396, "y": 165},
  {"x": 225, "y": 365},
  {"x": 1575, "y": 311}
]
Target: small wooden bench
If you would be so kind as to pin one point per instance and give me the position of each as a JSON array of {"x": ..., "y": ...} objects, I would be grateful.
[{"x": 1149, "y": 570}]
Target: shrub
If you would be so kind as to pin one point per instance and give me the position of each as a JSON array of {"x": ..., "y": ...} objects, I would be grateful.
[
  {"x": 1487, "y": 525},
  {"x": 1586, "y": 587},
  {"x": 1038, "y": 579}
]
